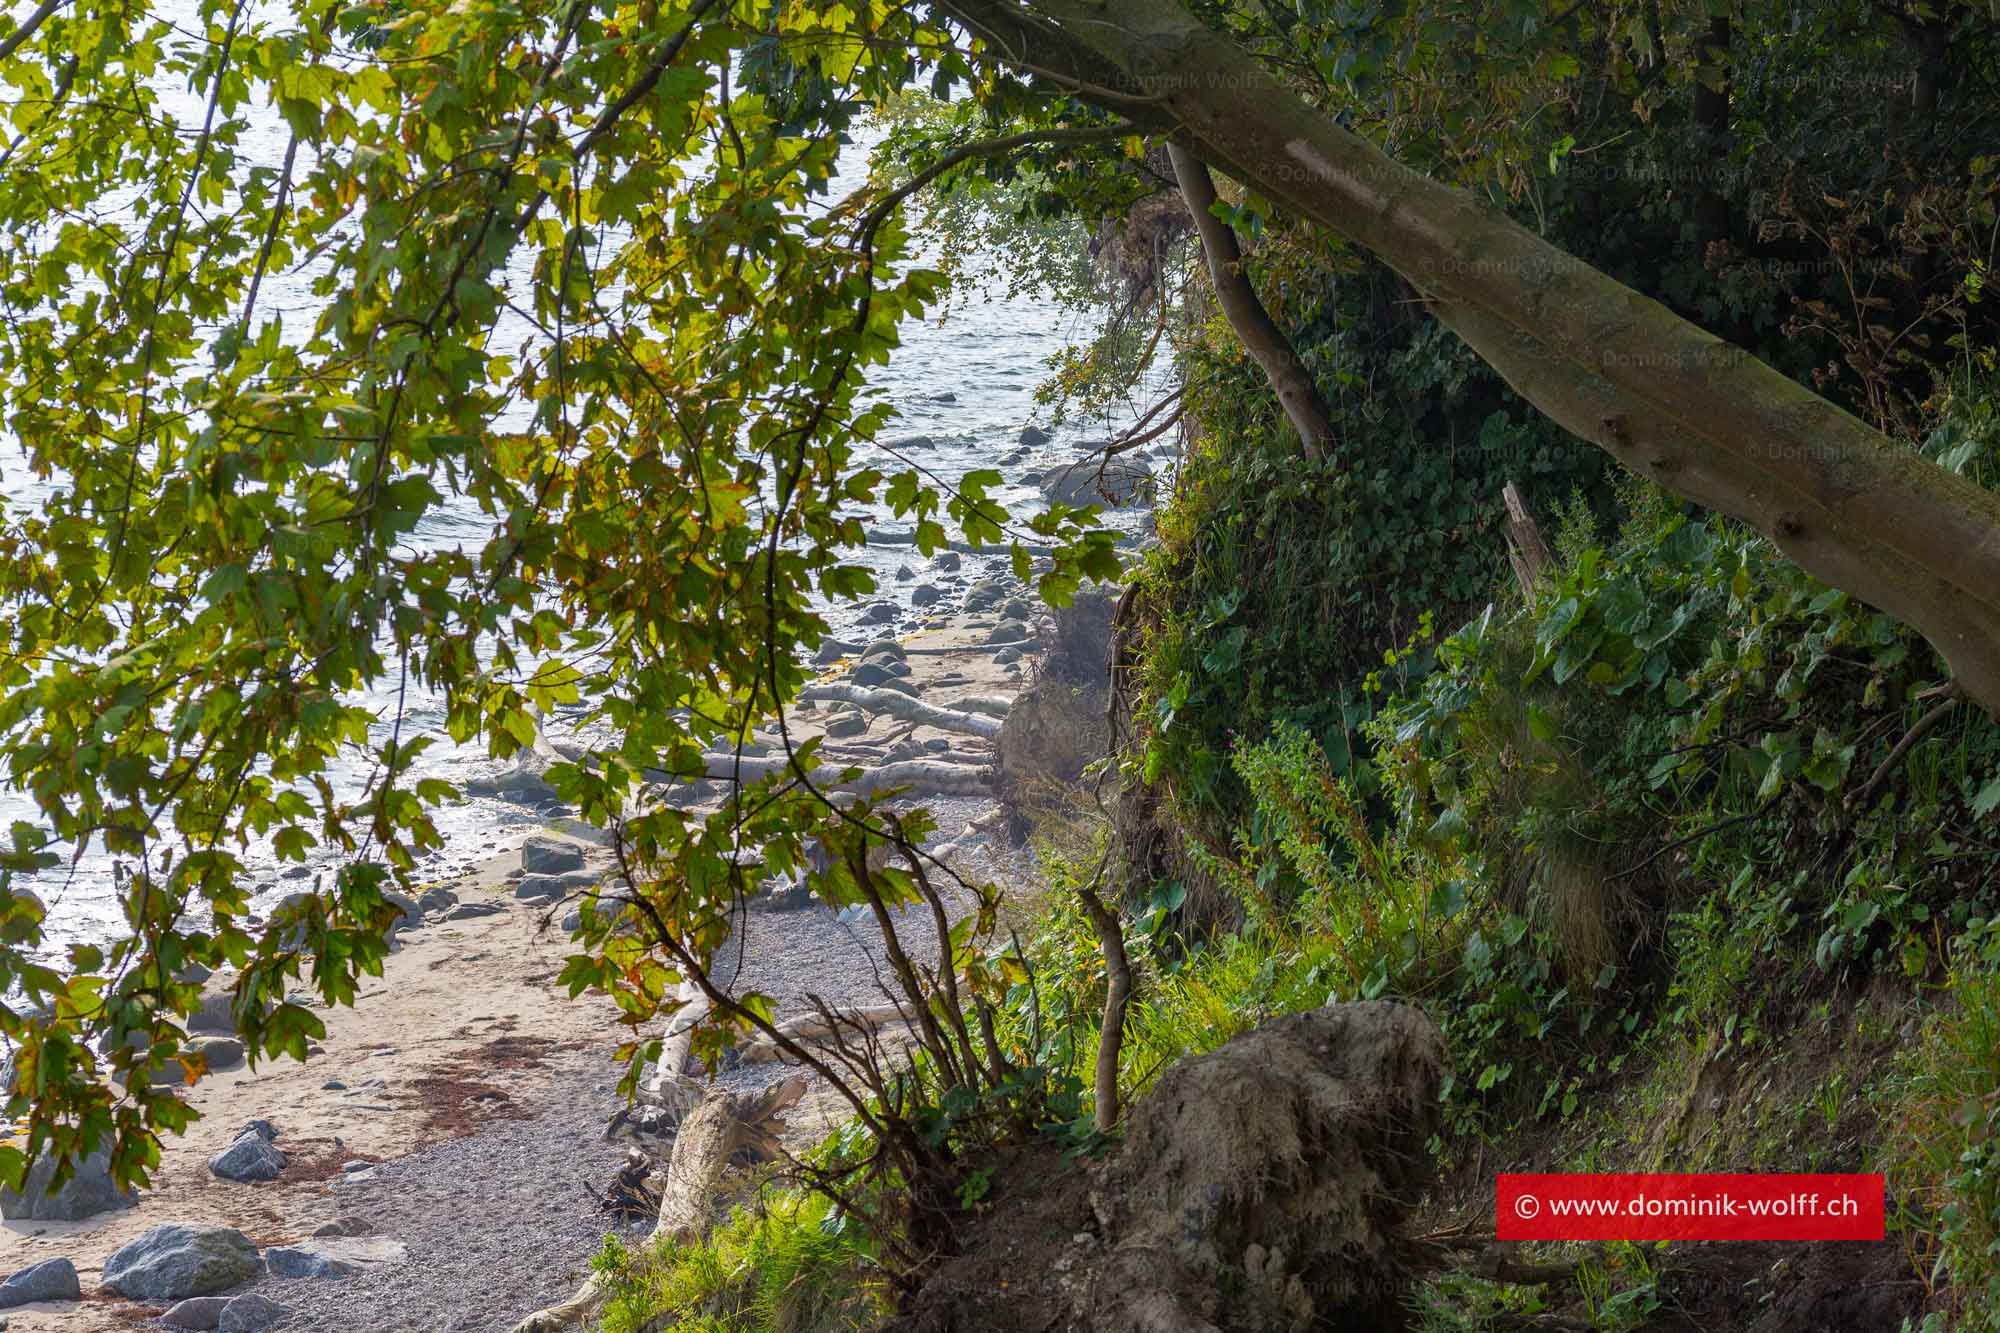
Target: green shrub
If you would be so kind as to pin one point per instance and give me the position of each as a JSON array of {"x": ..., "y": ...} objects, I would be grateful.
[
  {"x": 786, "y": 1263},
  {"x": 1944, "y": 1155}
]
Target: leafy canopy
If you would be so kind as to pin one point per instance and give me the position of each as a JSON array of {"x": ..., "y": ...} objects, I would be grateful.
[{"x": 576, "y": 265}]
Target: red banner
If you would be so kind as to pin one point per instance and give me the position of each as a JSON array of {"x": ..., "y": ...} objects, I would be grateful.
[{"x": 1630, "y": 1206}]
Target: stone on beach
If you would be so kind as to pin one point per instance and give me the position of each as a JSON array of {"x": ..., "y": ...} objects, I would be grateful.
[
  {"x": 172, "y": 1261},
  {"x": 49, "y": 1280},
  {"x": 550, "y": 856},
  {"x": 88, "y": 1191},
  {"x": 218, "y": 1052},
  {"x": 546, "y": 888},
  {"x": 251, "y": 1158},
  {"x": 842, "y": 725},
  {"x": 467, "y": 911},
  {"x": 203, "y": 1312},
  {"x": 305, "y": 1261},
  {"x": 249, "y": 1313}
]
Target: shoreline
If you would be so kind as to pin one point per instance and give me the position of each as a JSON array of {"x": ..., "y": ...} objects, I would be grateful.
[{"x": 456, "y": 1115}]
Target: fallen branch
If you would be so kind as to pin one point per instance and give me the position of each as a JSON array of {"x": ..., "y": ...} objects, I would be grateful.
[
  {"x": 961, "y": 777},
  {"x": 993, "y": 705},
  {"x": 1921, "y": 728},
  {"x": 905, "y": 708}
]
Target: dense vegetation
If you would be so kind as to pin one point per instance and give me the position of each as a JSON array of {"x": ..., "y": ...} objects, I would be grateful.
[{"x": 1664, "y": 817}]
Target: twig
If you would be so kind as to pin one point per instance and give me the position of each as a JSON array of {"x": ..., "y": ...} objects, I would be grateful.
[
  {"x": 1697, "y": 836},
  {"x": 1923, "y": 727}
]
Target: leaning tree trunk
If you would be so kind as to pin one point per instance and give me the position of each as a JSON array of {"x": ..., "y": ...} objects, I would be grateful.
[
  {"x": 1671, "y": 401},
  {"x": 1258, "y": 332}
]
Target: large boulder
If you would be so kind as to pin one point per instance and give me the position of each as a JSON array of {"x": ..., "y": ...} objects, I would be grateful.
[
  {"x": 550, "y": 856},
  {"x": 49, "y": 1280},
  {"x": 252, "y": 1158},
  {"x": 87, "y": 1192},
  {"x": 1115, "y": 482},
  {"x": 174, "y": 1261},
  {"x": 220, "y": 1053},
  {"x": 436, "y": 901}
]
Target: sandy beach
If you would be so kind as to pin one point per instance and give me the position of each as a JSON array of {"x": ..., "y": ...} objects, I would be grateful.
[{"x": 452, "y": 1122}]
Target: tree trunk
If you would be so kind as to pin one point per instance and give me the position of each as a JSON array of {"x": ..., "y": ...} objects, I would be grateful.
[
  {"x": 1705, "y": 419},
  {"x": 1258, "y": 332},
  {"x": 1711, "y": 122}
]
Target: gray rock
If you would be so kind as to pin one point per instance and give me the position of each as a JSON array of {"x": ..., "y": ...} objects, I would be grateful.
[
  {"x": 841, "y": 725},
  {"x": 1115, "y": 482},
  {"x": 944, "y": 397},
  {"x": 832, "y": 650},
  {"x": 901, "y": 687},
  {"x": 984, "y": 596},
  {"x": 49, "y": 1280},
  {"x": 1015, "y": 609},
  {"x": 333, "y": 1085},
  {"x": 879, "y": 670},
  {"x": 914, "y": 442},
  {"x": 196, "y": 1312},
  {"x": 216, "y": 1013},
  {"x": 437, "y": 901},
  {"x": 904, "y": 573},
  {"x": 305, "y": 1261},
  {"x": 1008, "y": 631},
  {"x": 219, "y": 1052},
  {"x": 548, "y": 856},
  {"x": 1032, "y": 436},
  {"x": 348, "y": 1225},
  {"x": 937, "y": 745},
  {"x": 250, "y": 1159},
  {"x": 948, "y": 560},
  {"x": 523, "y": 784},
  {"x": 881, "y": 613},
  {"x": 174, "y": 1261},
  {"x": 926, "y": 594},
  {"x": 249, "y": 1313},
  {"x": 409, "y": 914},
  {"x": 88, "y": 1191},
  {"x": 263, "y": 1129},
  {"x": 544, "y": 888},
  {"x": 889, "y": 646},
  {"x": 481, "y": 907},
  {"x": 1007, "y": 656}
]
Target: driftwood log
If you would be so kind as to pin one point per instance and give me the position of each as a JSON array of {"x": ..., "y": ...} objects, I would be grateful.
[
  {"x": 905, "y": 708},
  {"x": 993, "y": 705},
  {"x": 726, "y": 1127},
  {"x": 965, "y": 776}
]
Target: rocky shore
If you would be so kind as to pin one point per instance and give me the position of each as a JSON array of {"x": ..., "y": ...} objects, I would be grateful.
[{"x": 434, "y": 1163}]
